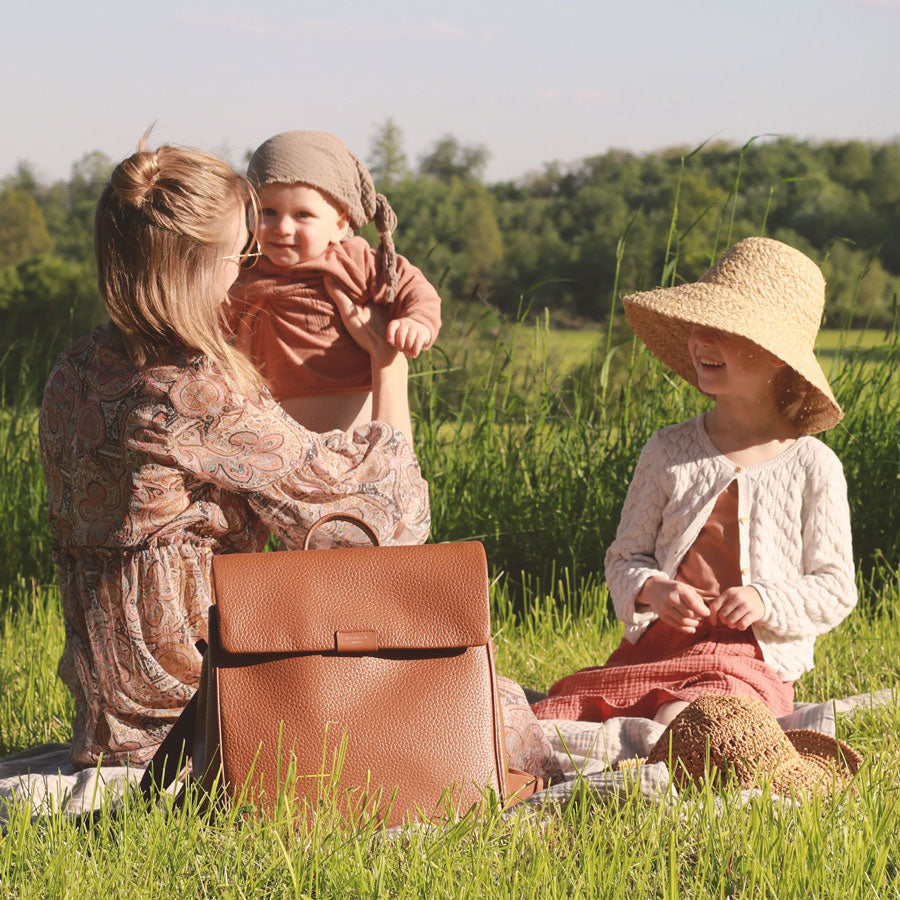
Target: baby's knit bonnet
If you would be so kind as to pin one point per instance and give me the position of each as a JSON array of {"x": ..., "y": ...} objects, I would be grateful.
[{"x": 323, "y": 161}]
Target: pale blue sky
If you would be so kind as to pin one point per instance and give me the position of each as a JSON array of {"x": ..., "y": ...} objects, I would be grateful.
[{"x": 534, "y": 81}]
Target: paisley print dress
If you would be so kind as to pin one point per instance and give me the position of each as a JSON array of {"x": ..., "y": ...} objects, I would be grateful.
[{"x": 150, "y": 473}]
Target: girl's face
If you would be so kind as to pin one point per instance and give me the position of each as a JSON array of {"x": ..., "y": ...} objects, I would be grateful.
[
  {"x": 727, "y": 364},
  {"x": 297, "y": 223}
]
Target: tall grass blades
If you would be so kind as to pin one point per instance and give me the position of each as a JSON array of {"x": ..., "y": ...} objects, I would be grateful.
[
  {"x": 533, "y": 452},
  {"x": 23, "y": 493}
]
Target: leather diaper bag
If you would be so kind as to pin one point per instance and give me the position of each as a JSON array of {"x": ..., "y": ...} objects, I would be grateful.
[{"x": 365, "y": 673}]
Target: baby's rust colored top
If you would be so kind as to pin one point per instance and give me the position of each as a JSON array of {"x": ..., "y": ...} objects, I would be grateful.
[{"x": 285, "y": 321}]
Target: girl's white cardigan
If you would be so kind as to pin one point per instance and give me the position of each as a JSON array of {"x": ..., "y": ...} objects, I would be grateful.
[{"x": 794, "y": 529}]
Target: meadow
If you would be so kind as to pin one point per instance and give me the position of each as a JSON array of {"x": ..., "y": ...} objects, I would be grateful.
[{"x": 528, "y": 436}]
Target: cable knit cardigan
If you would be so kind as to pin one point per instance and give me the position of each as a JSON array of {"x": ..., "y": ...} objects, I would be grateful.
[{"x": 793, "y": 525}]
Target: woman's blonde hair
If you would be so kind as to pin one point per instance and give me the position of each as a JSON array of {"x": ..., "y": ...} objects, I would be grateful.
[{"x": 161, "y": 228}]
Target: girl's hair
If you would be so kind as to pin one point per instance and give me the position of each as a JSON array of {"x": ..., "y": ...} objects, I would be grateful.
[
  {"x": 161, "y": 229},
  {"x": 791, "y": 394}
]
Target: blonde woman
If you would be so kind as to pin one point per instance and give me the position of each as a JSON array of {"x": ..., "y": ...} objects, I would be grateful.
[{"x": 162, "y": 447}]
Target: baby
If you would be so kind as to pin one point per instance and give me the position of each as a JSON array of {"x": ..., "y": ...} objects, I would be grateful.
[{"x": 314, "y": 193}]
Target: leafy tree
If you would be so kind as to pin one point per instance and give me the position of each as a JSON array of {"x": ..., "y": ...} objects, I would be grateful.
[
  {"x": 69, "y": 207},
  {"x": 23, "y": 231},
  {"x": 561, "y": 237},
  {"x": 449, "y": 159},
  {"x": 387, "y": 159},
  {"x": 49, "y": 297}
]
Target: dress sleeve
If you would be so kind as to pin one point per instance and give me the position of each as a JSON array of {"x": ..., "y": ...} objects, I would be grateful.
[
  {"x": 289, "y": 476},
  {"x": 630, "y": 558},
  {"x": 824, "y": 592}
]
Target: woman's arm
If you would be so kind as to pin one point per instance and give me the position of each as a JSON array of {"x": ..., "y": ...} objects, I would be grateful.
[
  {"x": 367, "y": 324},
  {"x": 203, "y": 426}
]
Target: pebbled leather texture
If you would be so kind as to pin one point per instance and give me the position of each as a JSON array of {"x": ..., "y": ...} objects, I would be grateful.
[
  {"x": 423, "y": 597},
  {"x": 415, "y": 717}
]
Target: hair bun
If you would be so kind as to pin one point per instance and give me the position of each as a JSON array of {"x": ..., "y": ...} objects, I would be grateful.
[{"x": 136, "y": 177}]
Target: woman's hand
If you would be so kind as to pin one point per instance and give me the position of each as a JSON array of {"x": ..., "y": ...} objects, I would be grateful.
[
  {"x": 738, "y": 607},
  {"x": 365, "y": 322},
  {"x": 676, "y": 603},
  {"x": 367, "y": 325}
]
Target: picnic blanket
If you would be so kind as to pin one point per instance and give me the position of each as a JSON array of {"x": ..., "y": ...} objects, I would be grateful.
[{"x": 580, "y": 757}]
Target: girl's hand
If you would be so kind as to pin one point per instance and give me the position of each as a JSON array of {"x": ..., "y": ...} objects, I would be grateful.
[
  {"x": 365, "y": 322},
  {"x": 738, "y": 607},
  {"x": 408, "y": 335},
  {"x": 676, "y": 603}
]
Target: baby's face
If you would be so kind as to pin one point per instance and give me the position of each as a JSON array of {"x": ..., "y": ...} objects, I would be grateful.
[{"x": 297, "y": 223}]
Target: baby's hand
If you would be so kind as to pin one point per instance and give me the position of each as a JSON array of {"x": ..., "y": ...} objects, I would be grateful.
[
  {"x": 676, "y": 603},
  {"x": 408, "y": 335},
  {"x": 738, "y": 607}
]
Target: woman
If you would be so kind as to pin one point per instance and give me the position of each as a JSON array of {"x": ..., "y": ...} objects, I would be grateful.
[{"x": 161, "y": 447}]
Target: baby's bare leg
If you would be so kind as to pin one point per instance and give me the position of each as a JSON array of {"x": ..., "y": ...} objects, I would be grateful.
[
  {"x": 327, "y": 412},
  {"x": 668, "y": 711}
]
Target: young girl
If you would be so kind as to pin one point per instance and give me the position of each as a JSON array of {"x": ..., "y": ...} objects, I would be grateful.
[
  {"x": 313, "y": 191},
  {"x": 733, "y": 551}
]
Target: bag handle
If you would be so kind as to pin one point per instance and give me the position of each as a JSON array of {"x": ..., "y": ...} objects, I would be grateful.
[{"x": 346, "y": 517}]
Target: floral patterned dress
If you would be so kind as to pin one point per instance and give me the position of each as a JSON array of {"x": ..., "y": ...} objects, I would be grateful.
[{"x": 150, "y": 473}]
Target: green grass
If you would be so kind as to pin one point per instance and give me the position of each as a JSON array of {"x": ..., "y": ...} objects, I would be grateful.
[
  {"x": 693, "y": 845},
  {"x": 536, "y": 463},
  {"x": 525, "y": 460},
  {"x": 689, "y": 848}
]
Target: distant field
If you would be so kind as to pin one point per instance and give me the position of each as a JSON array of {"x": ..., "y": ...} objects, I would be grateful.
[
  {"x": 830, "y": 341},
  {"x": 557, "y": 352}
]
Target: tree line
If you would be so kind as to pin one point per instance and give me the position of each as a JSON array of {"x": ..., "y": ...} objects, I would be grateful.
[{"x": 567, "y": 237}]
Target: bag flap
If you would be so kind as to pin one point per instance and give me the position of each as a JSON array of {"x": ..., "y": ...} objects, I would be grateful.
[{"x": 424, "y": 597}]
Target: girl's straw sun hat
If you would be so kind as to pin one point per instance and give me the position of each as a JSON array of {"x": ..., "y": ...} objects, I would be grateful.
[
  {"x": 717, "y": 736},
  {"x": 762, "y": 290}
]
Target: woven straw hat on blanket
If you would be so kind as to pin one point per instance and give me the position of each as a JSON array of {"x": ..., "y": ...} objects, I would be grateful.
[
  {"x": 739, "y": 736},
  {"x": 760, "y": 289}
]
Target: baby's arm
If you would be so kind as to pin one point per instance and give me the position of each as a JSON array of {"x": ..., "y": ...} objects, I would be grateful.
[
  {"x": 416, "y": 313},
  {"x": 640, "y": 590},
  {"x": 824, "y": 592}
]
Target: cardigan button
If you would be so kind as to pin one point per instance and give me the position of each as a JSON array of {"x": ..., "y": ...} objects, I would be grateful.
[
  {"x": 738, "y": 470},
  {"x": 745, "y": 571},
  {"x": 744, "y": 520}
]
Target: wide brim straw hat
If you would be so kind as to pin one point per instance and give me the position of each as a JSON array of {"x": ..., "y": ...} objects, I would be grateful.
[
  {"x": 720, "y": 737},
  {"x": 760, "y": 289}
]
